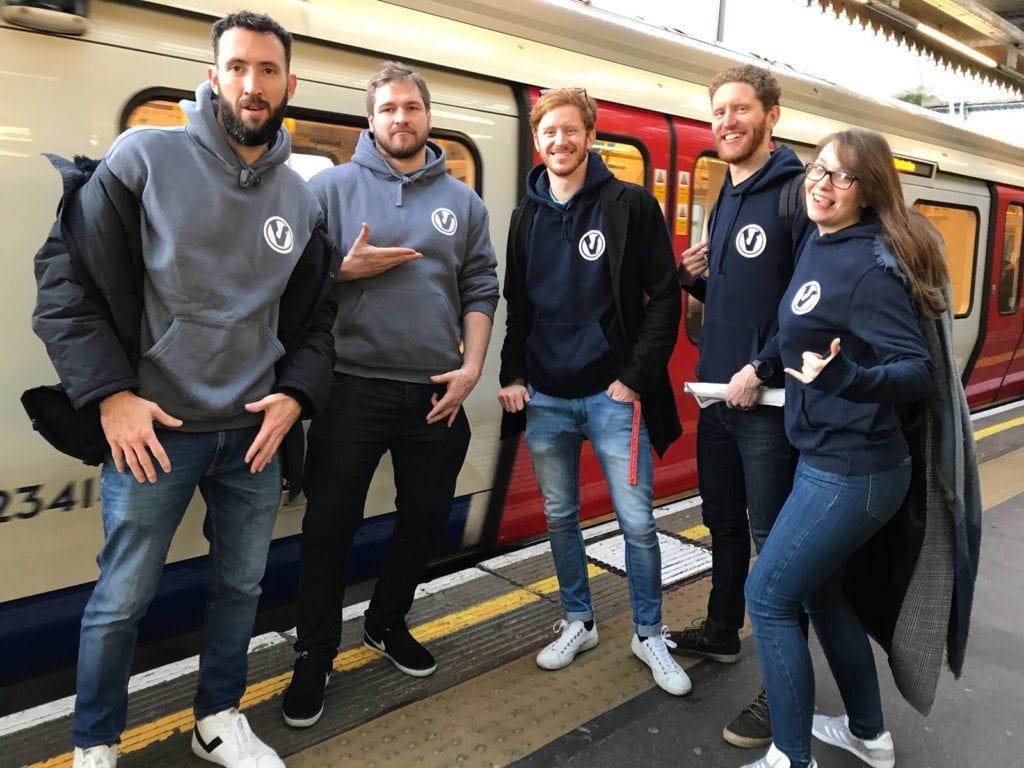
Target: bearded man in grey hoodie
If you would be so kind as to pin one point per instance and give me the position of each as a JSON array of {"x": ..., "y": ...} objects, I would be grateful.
[
  {"x": 195, "y": 347},
  {"x": 414, "y": 320}
]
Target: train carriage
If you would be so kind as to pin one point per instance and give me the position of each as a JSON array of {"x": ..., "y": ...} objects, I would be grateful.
[{"x": 485, "y": 62}]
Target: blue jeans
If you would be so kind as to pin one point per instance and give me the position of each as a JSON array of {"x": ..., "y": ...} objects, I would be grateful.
[
  {"x": 555, "y": 430},
  {"x": 139, "y": 521},
  {"x": 826, "y": 518},
  {"x": 745, "y": 466}
]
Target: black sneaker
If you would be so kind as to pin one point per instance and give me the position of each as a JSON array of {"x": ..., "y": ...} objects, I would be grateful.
[
  {"x": 303, "y": 702},
  {"x": 752, "y": 727},
  {"x": 404, "y": 651},
  {"x": 703, "y": 639}
]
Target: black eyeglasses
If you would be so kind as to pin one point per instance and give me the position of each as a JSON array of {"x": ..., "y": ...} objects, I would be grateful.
[{"x": 838, "y": 179}]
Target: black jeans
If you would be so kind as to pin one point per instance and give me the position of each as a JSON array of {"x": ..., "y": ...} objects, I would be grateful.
[
  {"x": 744, "y": 464},
  {"x": 365, "y": 418}
]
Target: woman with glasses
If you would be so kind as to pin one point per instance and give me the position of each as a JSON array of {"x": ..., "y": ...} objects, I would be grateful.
[{"x": 850, "y": 340}]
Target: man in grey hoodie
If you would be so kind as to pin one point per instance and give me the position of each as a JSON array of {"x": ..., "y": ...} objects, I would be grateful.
[
  {"x": 197, "y": 346},
  {"x": 412, "y": 329}
]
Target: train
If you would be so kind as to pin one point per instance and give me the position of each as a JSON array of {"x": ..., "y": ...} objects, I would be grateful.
[{"x": 76, "y": 74}]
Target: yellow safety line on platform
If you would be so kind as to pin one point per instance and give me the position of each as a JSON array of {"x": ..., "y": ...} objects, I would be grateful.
[
  {"x": 142, "y": 736},
  {"x": 996, "y": 428},
  {"x": 697, "y": 532}
]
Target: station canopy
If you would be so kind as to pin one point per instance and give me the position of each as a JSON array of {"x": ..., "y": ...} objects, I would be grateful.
[{"x": 983, "y": 37}]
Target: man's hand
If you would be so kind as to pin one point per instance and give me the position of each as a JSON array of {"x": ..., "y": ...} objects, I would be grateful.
[
  {"x": 693, "y": 263},
  {"x": 814, "y": 364},
  {"x": 514, "y": 397},
  {"x": 365, "y": 260},
  {"x": 127, "y": 422},
  {"x": 743, "y": 389},
  {"x": 279, "y": 413},
  {"x": 621, "y": 393},
  {"x": 459, "y": 383}
]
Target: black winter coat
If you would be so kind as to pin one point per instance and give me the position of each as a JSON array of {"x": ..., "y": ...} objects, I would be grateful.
[
  {"x": 647, "y": 300},
  {"x": 89, "y": 276}
]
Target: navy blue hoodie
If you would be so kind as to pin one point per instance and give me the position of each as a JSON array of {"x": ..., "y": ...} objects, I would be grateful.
[
  {"x": 577, "y": 346},
  {"x": 846, "y": 421},
  {"x": 751, "y": 255}
]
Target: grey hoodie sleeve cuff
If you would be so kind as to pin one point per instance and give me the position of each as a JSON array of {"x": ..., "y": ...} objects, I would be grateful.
[{"x": 486, "y": 306}]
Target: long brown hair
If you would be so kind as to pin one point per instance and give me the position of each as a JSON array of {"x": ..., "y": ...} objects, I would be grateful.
[{"x": 912, "y": 238}]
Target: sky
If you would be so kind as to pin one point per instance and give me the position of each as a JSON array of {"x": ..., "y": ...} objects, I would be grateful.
[{"x": 812, "y": 41}]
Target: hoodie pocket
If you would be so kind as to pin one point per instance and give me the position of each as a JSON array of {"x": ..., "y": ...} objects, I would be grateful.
[
  {"x": 211, "y": 368},
  {"x": 725, "y": 348},
  {"x": 813, "y": 432},
  {"x": 573, "y": 352},
  {"x": 402, "y": 330}
]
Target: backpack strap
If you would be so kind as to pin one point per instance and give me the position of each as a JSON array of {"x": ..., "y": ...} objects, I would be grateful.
[{"x": 791, "y": 200}]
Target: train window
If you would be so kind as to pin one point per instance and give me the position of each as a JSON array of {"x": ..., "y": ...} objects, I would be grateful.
[
  {"x": 959, "y": 229},
  {"x": 1009, "y": 272},
  {"x": 315, "y": 144},
  {"x": 708, "y": 176},
  {"x": 624, "y": 160}
]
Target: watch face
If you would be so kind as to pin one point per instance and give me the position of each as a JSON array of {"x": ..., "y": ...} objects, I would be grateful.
[{"x": 763, "y": 370}]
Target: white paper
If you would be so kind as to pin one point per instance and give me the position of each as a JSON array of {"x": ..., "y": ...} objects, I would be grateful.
[{"x": 705, "y": 394}]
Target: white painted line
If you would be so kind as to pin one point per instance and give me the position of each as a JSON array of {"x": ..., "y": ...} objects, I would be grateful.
[
  {"x": 54, "y": 710},
  {"x": 543, "y": 547},
  {"x": 997, "y": 410}
]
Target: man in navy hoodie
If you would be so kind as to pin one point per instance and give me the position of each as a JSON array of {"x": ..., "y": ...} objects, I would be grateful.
[
  {"x": 593, "y": 313},
  {"x": 745, "y": 465}
]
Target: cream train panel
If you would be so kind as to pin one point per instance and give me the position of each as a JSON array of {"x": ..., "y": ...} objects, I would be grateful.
[{"x": 53, "y": 530}]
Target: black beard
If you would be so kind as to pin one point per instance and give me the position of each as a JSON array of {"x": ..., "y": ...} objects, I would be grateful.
[{"x": 243, "y": 134}]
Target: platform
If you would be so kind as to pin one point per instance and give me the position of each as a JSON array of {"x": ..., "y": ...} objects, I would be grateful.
[{"x": 490, "y": 705}]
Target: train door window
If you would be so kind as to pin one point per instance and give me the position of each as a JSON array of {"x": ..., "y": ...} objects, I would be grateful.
[
  {"x": 625, "y": 160},
  {"x": 708, "y": 176},
  {"x": 959, "y": 229},
  {"x": 1008, "y": 292},
  {"x": 315, "y": 144}
]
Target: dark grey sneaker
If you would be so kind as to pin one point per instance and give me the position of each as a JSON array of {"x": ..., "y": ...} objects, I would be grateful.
[
  {"x": 752, "y": 727},
  {"x": 704, "y": 640},
  {"x": 403, "y": 650},
  {"x": 303, "y": 702}
]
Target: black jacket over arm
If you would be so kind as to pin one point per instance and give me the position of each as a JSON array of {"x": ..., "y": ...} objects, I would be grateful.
[
  {"x": 89, "y": 275},
  {"x": 647, "y": 300}
]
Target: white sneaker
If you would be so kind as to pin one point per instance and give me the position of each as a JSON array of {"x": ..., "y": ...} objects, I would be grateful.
[
  {"x": 654, "y": 653},
  {"x": 226, "y": 739},
  {"x": 574, "y": 638},
  {"x": 103, "y": 756},
  {"x": 775, "y": 759},
  {"x": 878, "y": 752}
]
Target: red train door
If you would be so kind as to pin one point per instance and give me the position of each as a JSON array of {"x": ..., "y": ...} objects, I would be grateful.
[{"x": 1006, "y": 317}]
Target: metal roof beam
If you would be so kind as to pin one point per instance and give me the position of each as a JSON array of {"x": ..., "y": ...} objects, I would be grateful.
[{"x": 906, "y": 22}]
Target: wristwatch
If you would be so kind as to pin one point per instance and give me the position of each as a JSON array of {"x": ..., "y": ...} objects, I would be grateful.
[{"x": 763, "y": 369}]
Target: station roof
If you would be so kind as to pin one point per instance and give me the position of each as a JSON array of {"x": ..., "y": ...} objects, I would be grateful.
[{"x": 983, "y": 37}]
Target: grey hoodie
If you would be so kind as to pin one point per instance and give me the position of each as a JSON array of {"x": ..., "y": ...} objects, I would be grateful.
[
  {"x": 406, "y": 323},
  {"x": 220, "y": 239}
]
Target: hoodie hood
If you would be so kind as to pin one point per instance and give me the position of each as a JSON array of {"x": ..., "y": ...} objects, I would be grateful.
[
  {"x": 865, "y": 229},
  {"x": 538, "y": 184},
  {"x": 782, "y": 163},
  {"x": 206, "y": 131},
  {"x": 368, "y": 156}
]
